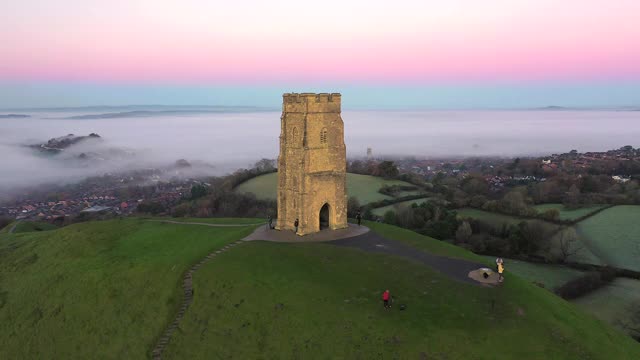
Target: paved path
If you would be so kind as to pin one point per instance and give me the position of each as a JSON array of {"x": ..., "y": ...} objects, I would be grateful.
[
  {"x": 457, "y": 269},
  {"x": 187, "y": 287}
]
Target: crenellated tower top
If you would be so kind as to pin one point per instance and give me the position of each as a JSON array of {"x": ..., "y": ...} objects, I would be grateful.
[{"x": 311, "y": 102}]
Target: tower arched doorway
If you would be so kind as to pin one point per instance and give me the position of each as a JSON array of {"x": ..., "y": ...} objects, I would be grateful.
[{"x": 324, "y": 217}]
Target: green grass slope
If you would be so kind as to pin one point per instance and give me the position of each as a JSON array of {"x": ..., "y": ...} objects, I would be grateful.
[
  {"x": 318, "y": 301},
  {"x": 568, "y": 214},
  {"x": 614, "y": 236},
  {"x": 96, "y": 290},
  {"x": 363, "y": 187}
]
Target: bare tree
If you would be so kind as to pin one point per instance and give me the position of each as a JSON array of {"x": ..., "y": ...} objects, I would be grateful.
[{"x": 568, "y": 244}]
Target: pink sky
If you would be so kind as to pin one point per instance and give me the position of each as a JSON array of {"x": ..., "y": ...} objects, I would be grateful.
[{"x": 199, "y": 41}]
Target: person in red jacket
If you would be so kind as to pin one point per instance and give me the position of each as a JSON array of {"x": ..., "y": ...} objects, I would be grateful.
[{"x": 386, "y": 298}]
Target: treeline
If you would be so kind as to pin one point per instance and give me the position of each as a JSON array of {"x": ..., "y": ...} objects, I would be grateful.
[
  {"x": 427, "y": 218},
  {"x": 528, "y": 240}
]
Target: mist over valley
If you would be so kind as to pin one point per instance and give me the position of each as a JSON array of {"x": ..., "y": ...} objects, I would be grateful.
[{"x": 218, "y": 140}]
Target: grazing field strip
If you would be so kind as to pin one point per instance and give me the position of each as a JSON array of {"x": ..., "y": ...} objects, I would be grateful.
[{"x": 569, "y": 214}]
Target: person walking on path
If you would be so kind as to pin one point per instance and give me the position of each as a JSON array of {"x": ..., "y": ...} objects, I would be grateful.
[
  {"x": 386, "y": 299},
  {"x": 500, "y": 271},
  {"x": 270, "y": 223},
  {"x": 296, "y": 223},
  {"x": 359, "y": 218}
]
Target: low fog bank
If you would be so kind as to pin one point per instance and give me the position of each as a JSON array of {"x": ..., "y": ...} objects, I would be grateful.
[{"x": 230, "y": 140}]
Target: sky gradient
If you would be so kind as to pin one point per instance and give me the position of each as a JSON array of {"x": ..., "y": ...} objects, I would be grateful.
[{"x": 432, "y": 53}]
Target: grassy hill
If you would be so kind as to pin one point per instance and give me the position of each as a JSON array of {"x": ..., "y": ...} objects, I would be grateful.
[
  {"x": 96, "y": 290},
  {"x": 108, "y": 289},
  {"x": 272, "y": 300},
  {"x": 614, "y": 236},
  {"x": 363, "y": 187}
]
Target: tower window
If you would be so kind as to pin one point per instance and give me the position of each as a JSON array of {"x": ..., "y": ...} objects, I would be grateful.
[
  {"x": 323, "y": 136},
  {"x": 294, "y": 136}
]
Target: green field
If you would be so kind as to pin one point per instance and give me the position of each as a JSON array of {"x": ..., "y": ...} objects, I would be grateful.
[
  {"x": 397, "y": 206},
  {"x": 363, "y": 187},
  {"x": 551, "y": 276},
  {"x": 614, "y": 236},
  {"x": 317, "y": 301},
  {"x": 567, "y": 214},
  {"x": 613, "y": 302},
  {"x": 96, "y": 290}
]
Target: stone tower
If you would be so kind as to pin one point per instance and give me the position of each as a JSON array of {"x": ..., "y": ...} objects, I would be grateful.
[{"x": 312, "y": 164}]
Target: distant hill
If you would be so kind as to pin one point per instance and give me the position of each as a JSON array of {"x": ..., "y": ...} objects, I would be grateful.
[
  {"x": 14, "y": 116},
  {"x": 554, "y": 108},
  {"x": 149, "y": 113},
  {"x": 125, "y": 108}
]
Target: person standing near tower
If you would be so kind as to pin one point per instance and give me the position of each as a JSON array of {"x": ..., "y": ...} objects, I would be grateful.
[
  {"x": 359, "y": 218},
  {"x": 295, "y": 224}
]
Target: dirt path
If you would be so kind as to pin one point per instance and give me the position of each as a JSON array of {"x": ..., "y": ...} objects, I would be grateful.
[
  {"x": 456, "y": 269},
  {"x": 187, "y": 287}
]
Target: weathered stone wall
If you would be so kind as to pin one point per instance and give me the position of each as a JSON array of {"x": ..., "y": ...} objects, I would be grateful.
[{"x": 312, "y": 162}]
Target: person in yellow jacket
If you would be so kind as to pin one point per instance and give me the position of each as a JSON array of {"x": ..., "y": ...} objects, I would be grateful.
[{"x": 500, "y": 271}]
